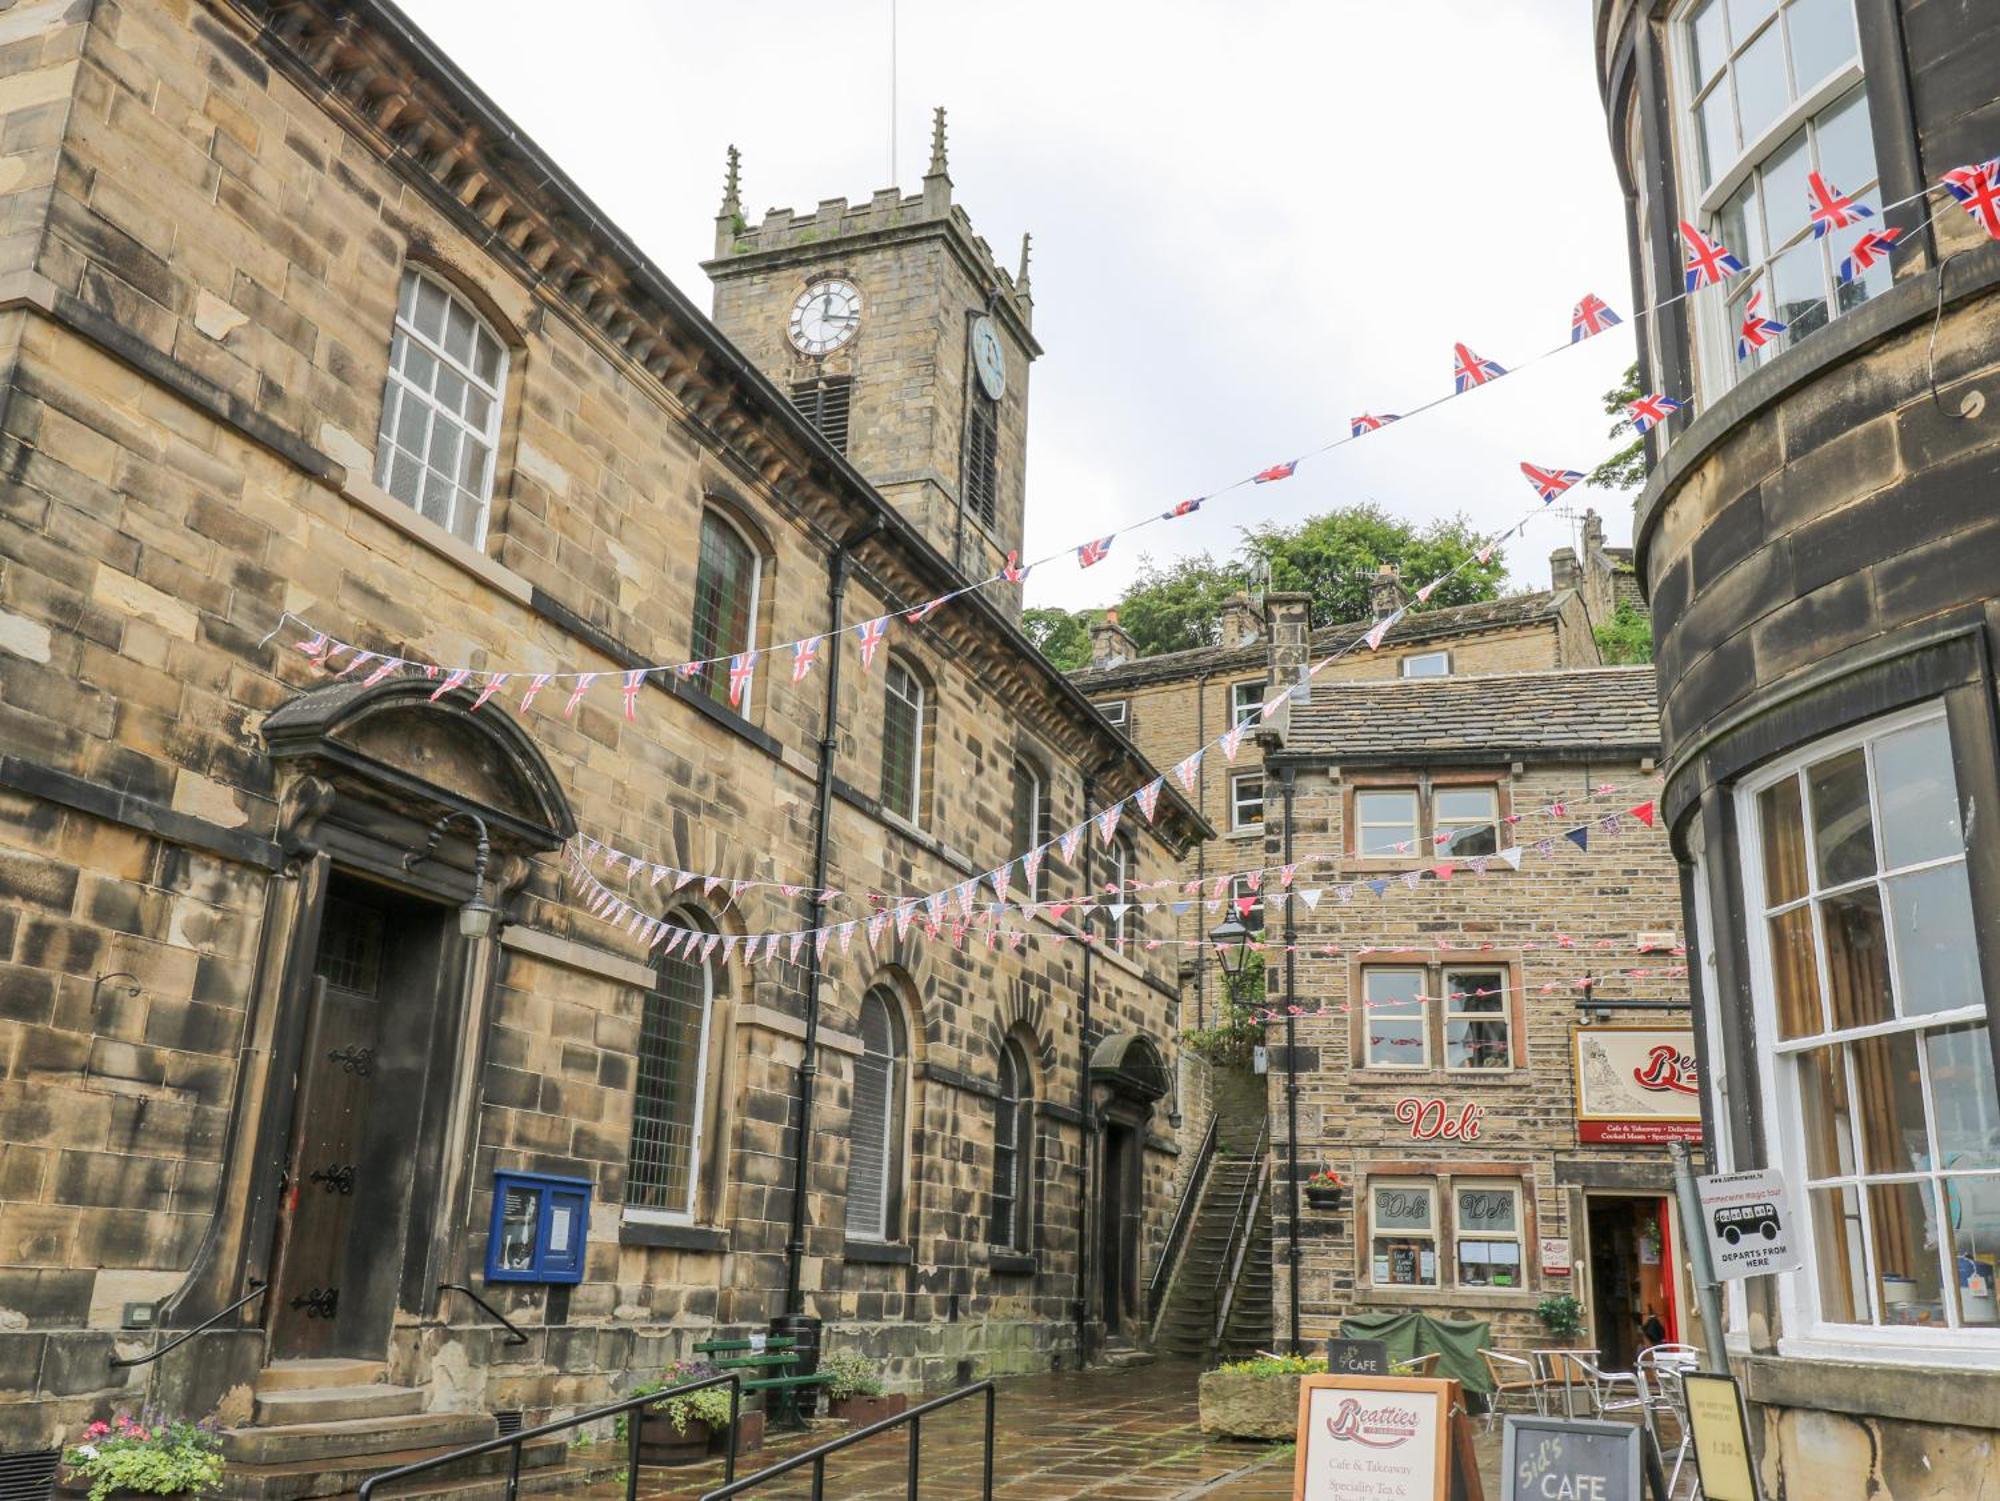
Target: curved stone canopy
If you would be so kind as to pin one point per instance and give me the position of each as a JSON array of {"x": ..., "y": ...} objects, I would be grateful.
[{"x": 1130, "y": 1063}]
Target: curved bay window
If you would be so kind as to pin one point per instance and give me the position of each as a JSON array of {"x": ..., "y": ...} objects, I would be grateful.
[
  {"x": 1014, "y": 1153},
  {"x": 727, "y": 577},
  {"x": 1871, "y": 1004},
  {"x": 671, "y": 1089},
  {"x": 875, "y": 1124}
]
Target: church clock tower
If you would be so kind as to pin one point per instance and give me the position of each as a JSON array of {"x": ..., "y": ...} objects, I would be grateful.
[{"x": 902, "y": 340}]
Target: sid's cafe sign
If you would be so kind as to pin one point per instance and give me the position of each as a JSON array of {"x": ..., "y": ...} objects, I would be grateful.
[{"x": 1636, "y": 1084}]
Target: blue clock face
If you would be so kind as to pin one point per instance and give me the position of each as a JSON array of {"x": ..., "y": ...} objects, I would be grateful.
[{"x": 989, "y": 359}]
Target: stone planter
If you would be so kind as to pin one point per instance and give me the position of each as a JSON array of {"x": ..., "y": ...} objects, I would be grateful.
[
  {"x": 1237, "y": 1405},
  {"x": 861, "y": 1411},
  {"x": 661, "y": 1443}
]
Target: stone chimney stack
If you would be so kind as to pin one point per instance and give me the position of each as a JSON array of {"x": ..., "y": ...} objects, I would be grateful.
[
  {"x": 1242, "y": 621},
  {"x": 1386, "y": 594},
  {"x": 1290, "y": 617},
  {"x": 1563, "y": 570},
  {"x": 1109, "y": 645}
]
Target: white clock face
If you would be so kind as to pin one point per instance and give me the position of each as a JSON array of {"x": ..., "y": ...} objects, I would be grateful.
[
  {"x": 825, "y": 317},
  {"x": 989, "y": 359}
]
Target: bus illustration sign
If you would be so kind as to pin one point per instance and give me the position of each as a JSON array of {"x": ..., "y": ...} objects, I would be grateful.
[{"x": 1748, "y": 1220}]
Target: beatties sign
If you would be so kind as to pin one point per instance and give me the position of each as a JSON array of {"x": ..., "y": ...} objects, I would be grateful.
[
  {"x": 1377, "y": 1427},
  {"x": 1428, "y": 1120},
  {"x": 1668, "y": 1068}
]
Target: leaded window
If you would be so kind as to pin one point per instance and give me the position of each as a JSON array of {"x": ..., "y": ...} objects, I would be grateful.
[
  {"x": 875, "y": 1121},
  {"x": 726, "y": 582},
  {"x": 903, "y": 737},
  {"x": 672, "y": 1084},
  {"x": 1014, "y": 1153}
]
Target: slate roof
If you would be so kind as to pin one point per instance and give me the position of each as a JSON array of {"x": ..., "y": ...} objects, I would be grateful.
[{"x": 1516, "y": 715}]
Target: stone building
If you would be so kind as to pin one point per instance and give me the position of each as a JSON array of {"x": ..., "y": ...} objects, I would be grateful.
[
  {"x": 306, "y": 1018},
  {"x": 1818, "y": 545}
]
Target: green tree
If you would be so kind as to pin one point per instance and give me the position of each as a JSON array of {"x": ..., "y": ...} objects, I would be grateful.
[
  {"x": 1625, "y": 469},
  {"x": 1335, "y": 557},
  {"x": 1178, "y": 606},
  {"x": 1063, "y": 636}
]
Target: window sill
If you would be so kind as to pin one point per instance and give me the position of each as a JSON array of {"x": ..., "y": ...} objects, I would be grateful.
[
  {"x": 1510, "y": 1078},
  {"x": 1011, "y": 1263},
  {"x": 1457, "y": 1298},
  {"x": 427, "y": 533},
  {"x": 1943, "y": 1389},
  {"x": 672, "y": 1237},
  {"x": 876, "y": 1252}
]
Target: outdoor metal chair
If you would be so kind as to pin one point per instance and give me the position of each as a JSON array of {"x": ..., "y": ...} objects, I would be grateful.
[
  {"x": 1421, "y": 1366},
  {"x": 1514, "y": 1380},
  {"x": 1605, "y": 1391}
]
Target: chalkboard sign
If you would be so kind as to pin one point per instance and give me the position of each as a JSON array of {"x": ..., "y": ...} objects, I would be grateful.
[
  {"x": 1357, "y": 1357},
  {"x": 1569, "y": 1459}
]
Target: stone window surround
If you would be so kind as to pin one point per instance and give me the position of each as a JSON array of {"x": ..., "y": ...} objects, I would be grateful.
[
  {"x": 1434, "y": 962},
  {"x": 1423, "y": 783},
  {"x": 1445, "y": 1176},
  {"x": 1237, "y": 803},
  {"x": 1403, "y": 666}
]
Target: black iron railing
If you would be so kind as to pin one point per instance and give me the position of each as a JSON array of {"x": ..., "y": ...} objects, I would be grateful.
[
  {"x": 629, "y": 1408},
  {"x": 514, "y": 1335},
  {"x": 1170, "y": 1250},
  {"x": 911, "y": 1419},
  {"x": 1241, "y": 1222},
  {"x": 203, "y": 1327}
]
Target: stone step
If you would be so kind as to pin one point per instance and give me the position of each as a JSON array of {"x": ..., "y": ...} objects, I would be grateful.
[
  {"x": 317, "y": 1442},
  {"x": 335, "y": 1404},
  {"x": 544, "y": 1464},
  {"x": 298, "y": 1375}
]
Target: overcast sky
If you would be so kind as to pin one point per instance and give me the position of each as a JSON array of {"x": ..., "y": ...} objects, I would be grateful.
[{"x": 1251, "y": 220}]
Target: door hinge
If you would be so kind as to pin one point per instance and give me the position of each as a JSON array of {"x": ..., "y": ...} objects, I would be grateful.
[
  {"x": 319, "y": 1304},
  {"x": 335, "y": 1178}
]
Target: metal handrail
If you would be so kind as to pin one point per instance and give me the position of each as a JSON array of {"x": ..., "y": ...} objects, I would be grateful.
[
  {"x": 514, "y": 1335},
  {"x": 1156, "y": 1289},
  {"x": 203, "y": 1327},
  {"x": 629, "y": 1406},
  {"x": 816, "y": 1457},
  {"x": 1239, "y": 1237}
]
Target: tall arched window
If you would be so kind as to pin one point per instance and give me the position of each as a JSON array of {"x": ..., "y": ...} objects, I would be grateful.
[
  {"x": 671, "y": 1088},
  {"x": 1031, "y": 818},
  {"x": 904, "y": 733},
  {"x": 875, "y": 1127},
  {"x": 726, "y": 578},
  {"x": 1014, "y": 1152},
  {"x": 1117, "y": 879},
  {"x": 441, "y": 407}
]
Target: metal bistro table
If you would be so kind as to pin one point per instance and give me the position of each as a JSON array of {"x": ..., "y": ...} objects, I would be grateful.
[{"x": 1570, "y": 1369}]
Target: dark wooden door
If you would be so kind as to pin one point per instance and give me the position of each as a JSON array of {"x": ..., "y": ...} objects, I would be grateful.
[{"x": 328, "y": 1196}]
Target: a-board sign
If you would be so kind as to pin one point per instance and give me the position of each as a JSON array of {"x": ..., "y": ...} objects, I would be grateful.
[
  {"x": 1569, "y": 1459},
  {"x": 1721, "y": 1430},
  {"x": 1357, "y": 1357},
  {"x": 1747, "y": 1218},
  {"x": 1373, "y": 1438}
]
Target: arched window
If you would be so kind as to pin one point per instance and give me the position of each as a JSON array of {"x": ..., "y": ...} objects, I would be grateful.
[
  {"x": 875, "y": 1127},
  {"x": 441, "y": 407},
  {"x": 726, "y": 579},
  {"x": 1116, "y": 872},
  {"x": 905, "y": 735},
  {"x": 1031, "y": 818},
  {"x": 672, "y": 1086},
  {"x": 1014, "y": 1152}
]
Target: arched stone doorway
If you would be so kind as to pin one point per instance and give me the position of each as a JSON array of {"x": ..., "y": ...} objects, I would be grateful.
[{"x": 1127, "y": 1074}]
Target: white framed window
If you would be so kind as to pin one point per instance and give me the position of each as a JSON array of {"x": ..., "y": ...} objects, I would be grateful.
[
  {"x": 727, "y": 576},
  {"x": 1395, "y": 1026},
  {"x": 1246, "y": 701},
  {"x": 1770, "y": 92},
  {"x": 875, "y": 1121},
  {"x": 671, "y": 1089},
  {"x": 1403, "y": 1233},
  {"x": 1246, "y": 800},
  {"x": 441, "y": 407},
  {"x": 1428, "y": 664},
  {"x": 1031, "y": 818},
  {"x": 903, "y": 736},
  {"x": 1014, "y": 1152},
  {"x": 1468, "y": 817},
  {"x": 1117, "y": 881},
  {"x": 1478, "y": 1020},
  {"x": 1385, "y": 817},
  {"x": 1871, "y": 1007},
  {"x": 1114, "y": 712},
  {"x": 1486, "y": 1221}
]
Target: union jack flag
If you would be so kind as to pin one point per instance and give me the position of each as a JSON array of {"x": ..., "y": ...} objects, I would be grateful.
[
  {"x": 1093, "y": 552},
  {"x": 634, "y": 681},
  {"x": 391, "y": 664},
  {"x": 1368, "y": 422},
  {"x": 1469, "y": 370},
  {"x": 1978, "y": 188},
  {"x": 1757, "y": 330},
  {"x": 1708, "y": 261},
  {"x": 870, "y": 633},
  {"x": 1591, "y": 316},
  {"x": 452, "y": 679},
  {"x": 740, "y": 667},
  {"x": 1648, "y": 412},
  {"x": 1866, "y": 251},
  {"x": 583, "y": 682},
  {"x": 494, "y": 682},
  {"x": 1185, "y": 508},
  {"x": 804, "y": 655},
  {"x": 1831, "y": 208},
  {"x": 1014, "y": 570},
  {"x": 535, "y": 685},
  {"x": 316, "y": 647},
  {"x": 1549, "y": 483},
  {"x": 1275, "y": 472},
  {"x": 927, "y": 608}
]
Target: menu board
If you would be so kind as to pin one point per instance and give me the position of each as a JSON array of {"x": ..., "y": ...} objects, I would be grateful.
[
  {"x": 1373, "y": 1438},
  {"x": 1569, "y": 1459},
  {"x": 1721, "y": 1432}
]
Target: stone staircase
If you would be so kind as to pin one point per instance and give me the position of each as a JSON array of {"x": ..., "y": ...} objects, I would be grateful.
[{"x": 1186, "y": 1330}]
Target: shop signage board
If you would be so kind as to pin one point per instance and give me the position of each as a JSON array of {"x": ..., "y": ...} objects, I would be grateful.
[
  {"x": 1386, "y": 1438},
  {"x": 1720, "y": 1426},
  {"x": 1636, "y": 1085},
  {"x": 1569, "y": 1459},
  {"x": 1555, "y": 1256},
  {"x": 1747, "y": 1218},
  {"x": 1357, "y": 1357}
]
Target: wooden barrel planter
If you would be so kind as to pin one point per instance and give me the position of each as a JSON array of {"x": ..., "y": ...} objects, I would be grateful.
[{"x": 661, "y": 1443}]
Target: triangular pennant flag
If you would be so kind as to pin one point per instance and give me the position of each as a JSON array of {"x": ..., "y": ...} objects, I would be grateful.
[
  {"x": 1578, "y": 837},
  {"x": 1380, "y": 886},
  {"x": 875, "y": 925},
  {"x": 999, "y": 879},
  {"x": 682, "y": 878},
  {"x": 634, "y": 681},
  {"x": 1285, "y": 874},
  {"x": 1243, "y": 904},
  {"x": 1382, "y": 628},
  {"x": 708, "y": 945},
  {"x": 1443, "y": 872},
  {"x": 1031, "y": 866},
  {"x": 1067, "y": 844},
  {"x": 1186, "y": 772},
  {"x": 965, "y": 891},
  {"x": 728, "y": 946},
  {"x": 1232, "y": 740},
  {"x": 821, "y": 937},
  {"x": 389, "y": 665},
  {"x": 1107, "y": 822},
  {"x": 1148, "y": 797},
  {"x": 495, "y": 681},
  {"x": 1644, "y": 813},
  {"x": 583, "y": 682},
  {"x": 906, "y": 913},
  {"x": 535, "y": 685},
  {"x": 1411, "y": 878},
  {"x": 798, "y": 942},
  {"x": 1310, "y": 895},
  {"x": 846, "y": 932}
]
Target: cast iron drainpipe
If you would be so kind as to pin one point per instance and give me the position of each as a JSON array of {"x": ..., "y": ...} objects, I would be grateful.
[
  {"x": 1292, "y": 1070},
  {"x": 836, "y": 597},
  {"x": 1083, "y": 1096}
]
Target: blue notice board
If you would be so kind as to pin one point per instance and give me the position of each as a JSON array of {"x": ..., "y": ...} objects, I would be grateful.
[{"x": 540, "y": 1224}]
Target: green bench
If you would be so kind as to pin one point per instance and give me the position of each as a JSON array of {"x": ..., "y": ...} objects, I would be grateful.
[{"x": 776, "y": 1355}]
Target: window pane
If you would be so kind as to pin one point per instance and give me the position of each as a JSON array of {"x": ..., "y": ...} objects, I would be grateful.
[
  {"x": 1746, "y": 15},
  {"x": 1759, "y": 76},
  {"x": 1919, "y": 795},
  {"x": 1715, "y": 134},
  {"x": 1873, "y": 282},
  {"x": 1786, "y": 214},
  {"x": 1402, "y": 1208},
  {"x": 1822, "y": 37},
  {"x": 1889, "y": 1100},
  {"x": 487, "y": 362},
  {"x": 1846, "y": 147},
  {"x": 465, "y": 517},
  {"x": 1827, "y": 1114},
  {"x": 419, "y": 365},
  {"x": 406, "y": 478},
  {"x": 451, "y": 389},
  {"x": 1843, "y": 836},
  {"x": 725, "y": 580},
  {"x": 1465, "y": 804},
  {"x": 1842, "y": 1268},
  {"x": 1797, "y": 297},
  {"x": 1477, "y": 1044},
  {"x": 1903, "y": 1218},
  {"x": 1857, "y": 959},
  {"x": 900, "y": 730},
  {"x": 1973, "y": 1208},
  {"x": 1740, "y": 227},
  {"x": 1794, "y": 975},
  {"x": 458, "y": 334},
  {"x": 1937, "y": 963},
  {"x": 1394, "y": 1044},
  {"x": 1384, "y": 820},
  {"x": 1488, "y": 1211},
  {"x": 1963, "y": 1101},
  {"x": 430, "y": 309},
  {"x": 1405, "y": 1263},
  {"x": 1489, "y": 1263},
  {"x": 665, "y": 1097},
  {"x": 1784, "y": 843},
  {"x": 1708, "y": 44},
  {"x": 1394, "y": 992}
]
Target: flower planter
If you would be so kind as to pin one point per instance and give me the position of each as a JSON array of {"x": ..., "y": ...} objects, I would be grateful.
[
  {"x": 1239, "y": 1405},
  {"x": 861, "y": 1411},
  {"x": 661, "y": 1443},
  {"x": 1322, "y": 1199}
]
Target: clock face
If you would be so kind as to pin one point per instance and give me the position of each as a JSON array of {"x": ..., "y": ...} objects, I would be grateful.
[
  {"x": 989, "y": 359},
  {"x": 825, "y": 317}
]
